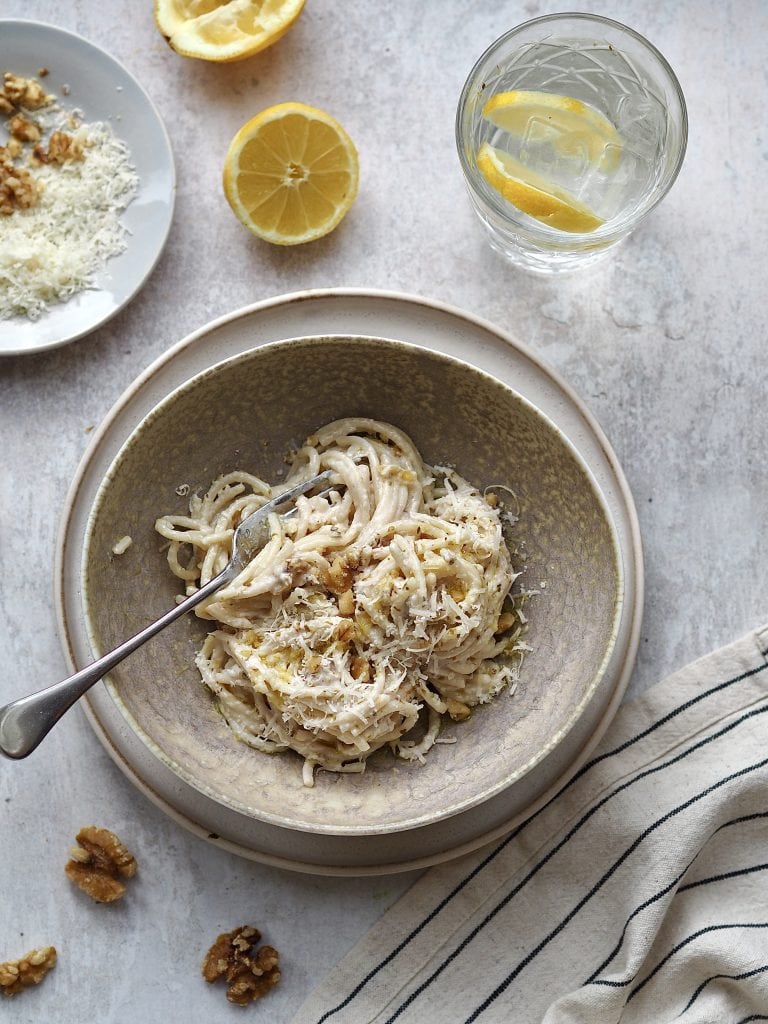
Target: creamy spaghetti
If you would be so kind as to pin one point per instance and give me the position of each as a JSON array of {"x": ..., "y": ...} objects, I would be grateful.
[{"x": 372, "y": 613}]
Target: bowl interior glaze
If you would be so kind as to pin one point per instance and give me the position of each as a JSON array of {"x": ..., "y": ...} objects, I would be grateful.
[{"x": 248, "y": 412}]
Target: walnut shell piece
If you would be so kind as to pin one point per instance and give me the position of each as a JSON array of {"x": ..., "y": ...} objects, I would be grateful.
[
  {"x": 250, "y": 970},
  {"x": 99, "y": 864},
  {"x": 28, "y": 970}
]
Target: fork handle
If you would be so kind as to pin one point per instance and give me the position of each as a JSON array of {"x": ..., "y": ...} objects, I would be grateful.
[{"x": 25, "y": 722}]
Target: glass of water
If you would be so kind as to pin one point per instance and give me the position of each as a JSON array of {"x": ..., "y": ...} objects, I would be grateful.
[{"x": 570, "y": 129}]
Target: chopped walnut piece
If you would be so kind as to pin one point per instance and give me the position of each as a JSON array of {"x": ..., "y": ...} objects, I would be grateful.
[
  {"x": 339, "y": 576},
  {"x": 29, "y": 970},
  {"x": 360, "y": 669},
  {"x": 25, "y": 92},
  {"x": 18, "y": 189},
  {"x": 347, "y": 603},
  {"x": 250, "y": 972},
  {"x": 506, "y": 621},
  {"x": 62, "y": 149},
  {"x": 391, "y": 472},
  {"x": 22, "y": 129},
  {"x": 6, "y": 107},
  {"x": 457, "y": 710},
  {"x": 99, "y": 864},
  {"x": 345, "y": 630}
]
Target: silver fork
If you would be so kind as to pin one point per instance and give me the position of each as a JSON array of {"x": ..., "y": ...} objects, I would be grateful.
[{"x": 25, "y": 722}]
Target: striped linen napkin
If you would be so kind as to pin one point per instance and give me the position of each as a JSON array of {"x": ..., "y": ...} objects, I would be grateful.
[{"x": 638, "y": 894}]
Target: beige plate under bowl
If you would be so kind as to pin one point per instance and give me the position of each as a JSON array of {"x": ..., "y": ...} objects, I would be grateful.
[{"x": 246, "y": 412}]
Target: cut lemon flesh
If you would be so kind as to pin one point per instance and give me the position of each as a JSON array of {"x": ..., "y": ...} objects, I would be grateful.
[
  {"x": 290, "y": 174},
  {"x": 533, "y": 194},
  {"x": 574, "y": 127},
  {"x": 224, "y": 30}
]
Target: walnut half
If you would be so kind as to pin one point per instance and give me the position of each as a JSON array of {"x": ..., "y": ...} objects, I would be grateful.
[
  {"x": 99, "y": 864},
  {"x": 249, "y": 970},
  {"x": 29, "y": 970}
]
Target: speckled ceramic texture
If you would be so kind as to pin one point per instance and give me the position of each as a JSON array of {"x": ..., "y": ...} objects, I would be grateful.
[{"x": 247, "y": 412}]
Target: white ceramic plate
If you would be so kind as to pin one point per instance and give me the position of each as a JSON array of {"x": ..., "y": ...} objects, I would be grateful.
[
  {"x": 104, "y": 91},
  {"x": 419, "y": 322}
]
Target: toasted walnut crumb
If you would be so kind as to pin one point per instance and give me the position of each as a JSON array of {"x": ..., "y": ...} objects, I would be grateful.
[
  {"x": 506, "y": 621},
  {"x": 99, "y": 864},
  {"x": 360, "y": 669},
  {"x": 18, "y": 189},
  {"x": 24, "y": 130},
  {"x": 339, "y": 576},
  {"x": 24, "y": 92},
  {"x": 249, "y": 970},
  {"x": 457, "y": 710},
  {"x": 347, "y": 603},
  {"x": 62, "y": 149},
  {"x": 345, "y": 630},
  {"x": 29, "y": 970},
  {"x": 492, "y": 499},
  {"x": 391, "y": 472}
]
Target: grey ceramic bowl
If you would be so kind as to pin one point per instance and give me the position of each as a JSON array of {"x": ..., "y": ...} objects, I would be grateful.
[{"x": 247, "y": 412}]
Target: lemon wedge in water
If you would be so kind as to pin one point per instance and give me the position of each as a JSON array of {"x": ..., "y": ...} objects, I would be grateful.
[
  {"x": 533, "y": 194},
  {"x": 576, "y": 127}
]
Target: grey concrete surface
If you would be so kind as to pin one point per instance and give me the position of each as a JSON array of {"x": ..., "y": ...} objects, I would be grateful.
[{"x": 665, "y": 342}]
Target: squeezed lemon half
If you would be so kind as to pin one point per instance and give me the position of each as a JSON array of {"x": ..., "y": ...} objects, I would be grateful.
[
  {"x": 533, "y": 194},
  {"x": 224, "y": 30},
  {"x": 579, "y": 127},
  {"x": 291, "y": 174}
]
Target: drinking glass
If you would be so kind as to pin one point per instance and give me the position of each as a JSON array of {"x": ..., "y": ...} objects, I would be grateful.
[{"x": 600, "y": 125}]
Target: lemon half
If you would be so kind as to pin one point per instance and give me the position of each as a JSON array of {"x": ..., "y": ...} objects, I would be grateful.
[
  {"x": 224, "y": 30},
  {"x": 533, "y": 194},
  {"x": 291, "y": 174}
]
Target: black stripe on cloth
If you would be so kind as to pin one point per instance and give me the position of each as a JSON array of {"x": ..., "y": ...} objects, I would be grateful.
[
  {"x": 723, "y": 977},
  {"x": 755, "y": 1016},
  {"x": 516, "y": 832},
  {"x": 668, "y": 888},
  {"x": 502, "y": 986},
  {"x": 592, "y": 979},
  {"x": 718, "y": 688},
  {"x": 685, "y": 942},
  {"x": 608, "y": 983},
  {"x": 723, "y": 876}
]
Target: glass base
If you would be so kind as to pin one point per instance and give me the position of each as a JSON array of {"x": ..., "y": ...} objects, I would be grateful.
[{"x": 521, "y": 253}]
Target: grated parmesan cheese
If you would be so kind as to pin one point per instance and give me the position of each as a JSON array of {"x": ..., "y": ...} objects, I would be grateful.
[{"x": 53, "y": 250}]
